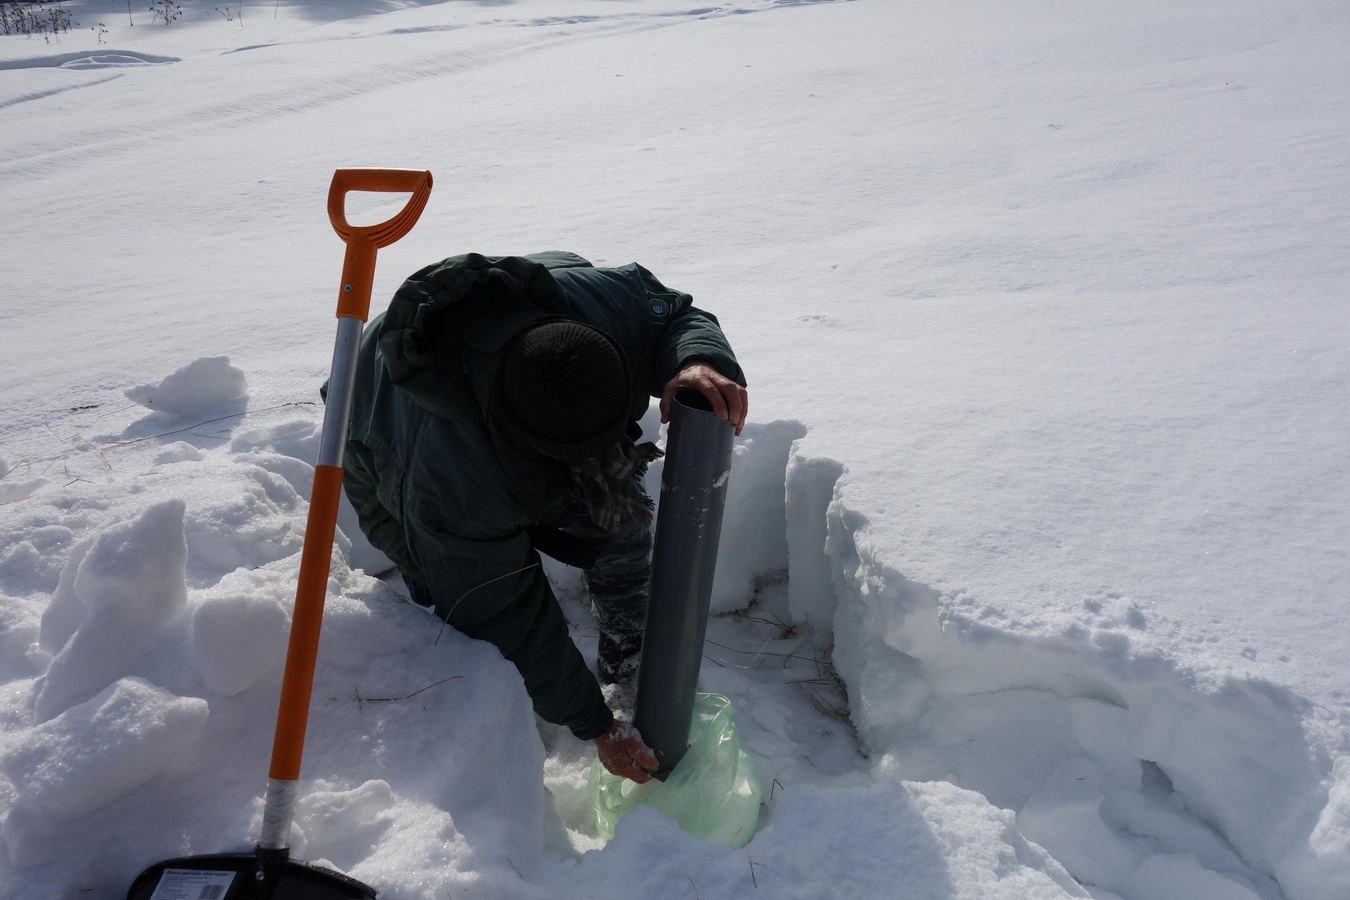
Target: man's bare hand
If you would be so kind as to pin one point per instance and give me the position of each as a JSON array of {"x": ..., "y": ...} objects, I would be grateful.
[
  {"x": 728, "y": 399},
  {"x": 623, "y": 753}
]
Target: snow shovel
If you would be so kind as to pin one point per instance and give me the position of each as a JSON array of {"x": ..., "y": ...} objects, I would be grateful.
[{"x": 269, "y": 873}]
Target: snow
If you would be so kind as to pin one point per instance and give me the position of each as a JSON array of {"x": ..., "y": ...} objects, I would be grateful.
[
  {"x": 200, "y": 384},
  {"x": 1034, "y": 567}
]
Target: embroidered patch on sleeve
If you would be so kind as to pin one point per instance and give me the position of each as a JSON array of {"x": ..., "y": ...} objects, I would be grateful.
[{"x": 662, "y": 305}]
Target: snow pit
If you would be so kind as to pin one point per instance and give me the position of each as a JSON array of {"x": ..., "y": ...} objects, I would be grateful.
[
  {"x": 1095, "y": 774},
  {"x": 882, "y": 715}
]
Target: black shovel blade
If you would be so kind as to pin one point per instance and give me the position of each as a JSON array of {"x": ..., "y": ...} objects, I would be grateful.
[{"x": 234, "y": 876}]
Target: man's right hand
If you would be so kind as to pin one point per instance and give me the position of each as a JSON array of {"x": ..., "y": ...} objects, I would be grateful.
[{"x": 623, "y": 752}]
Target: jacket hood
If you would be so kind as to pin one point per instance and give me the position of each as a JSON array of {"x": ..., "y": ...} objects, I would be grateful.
[{"x": 436, "y": 319}]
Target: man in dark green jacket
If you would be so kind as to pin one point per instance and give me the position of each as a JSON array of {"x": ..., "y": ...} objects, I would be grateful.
[{"x": 495, "y": 416}]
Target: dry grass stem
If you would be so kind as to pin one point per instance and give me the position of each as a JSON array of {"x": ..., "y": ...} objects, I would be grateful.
[
  {"x": 360, "y": 699},
  {"x": 826, "y": 708},
  {"x": 455, "y": 605},
  {"x": 785, "y": 629}
]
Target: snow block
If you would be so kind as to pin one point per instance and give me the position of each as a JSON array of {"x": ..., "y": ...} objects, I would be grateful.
[
  {"x": 18, "y": 629},
  {"x": 196, "y": 389},
  {"x": 754, "y": 524},
  {"x": 239, "y": 631},
  {"x": 1320, "y": 870},
  {"x": 1171, "y": 877},
  {"x": 251, "y": 518},
  {"x": 130, "y": 583},
  {"x": 1101, "y": 731},
  {"x": 1064, "y": 818},
  {"x": 100, "y": 750},
  {"x": 64, "y": 611},
  {"x": 809, "y": 491}
]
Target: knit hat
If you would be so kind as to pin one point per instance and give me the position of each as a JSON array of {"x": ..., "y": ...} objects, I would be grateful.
[{"x": 563, "y": 387}]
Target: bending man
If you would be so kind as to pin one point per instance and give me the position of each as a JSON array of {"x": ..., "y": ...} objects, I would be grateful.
[{"x": 495, "y": 417}]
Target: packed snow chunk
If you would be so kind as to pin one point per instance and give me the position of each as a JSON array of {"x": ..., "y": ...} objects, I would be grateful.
[
  {"x": 130, "y": 582},
  {"x": 18, "y": 628},
  {"x": 64, "y": 611},
  {"x": 1331, "y": 838},
  {"x": 809, "y": 492},
  {"x": 136, "y": 567},
  {"x": 240, "y": 630},
  {"x": 1065, "y": 819},
  {"x": 102, "y": 749},
  {"x": 34, "y": 562},
  {"x": 244, "y": 517},
  {"x": 1168, "y": 877},
  {"x": 201, "y": 386},
  {"x": 754, "y": 524},
  {"x": 345, "y": 826},
  {"x": 1004, "y": 744},
  {"x": 179, "y": 451},
  {"x": 1101, "y": 731},
  {"x": 21, "y": 560},
  {"x": 13, "y": 486},
  {"x": 297, "y": 438},
  {"x": 1320, "y": 870},
  {"x": 32, "y": 838},
  {"x": 1240, "y": 759}
]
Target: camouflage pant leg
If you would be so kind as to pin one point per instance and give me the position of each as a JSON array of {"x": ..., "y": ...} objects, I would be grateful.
[{"x": 620, "y": 580}]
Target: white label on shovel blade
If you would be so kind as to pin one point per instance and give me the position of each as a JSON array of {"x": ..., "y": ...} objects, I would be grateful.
[{"x": 192, "y": 884}]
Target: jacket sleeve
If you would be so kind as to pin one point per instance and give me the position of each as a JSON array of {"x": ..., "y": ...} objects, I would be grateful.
[
  {"x": 509, "y": 602},
  {"x": 685, "y": 334}
]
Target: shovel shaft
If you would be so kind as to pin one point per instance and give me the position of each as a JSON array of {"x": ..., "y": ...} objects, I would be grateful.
[
  {"x": 358, "y": 273},
  {"x": 298, "y": 679},
  {"x": 270, "y": 874}
]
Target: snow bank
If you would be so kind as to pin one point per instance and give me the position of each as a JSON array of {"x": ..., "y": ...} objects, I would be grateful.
[
  {"x": 1064, "y": 730},
  {"x": 1082, "y": 762}
]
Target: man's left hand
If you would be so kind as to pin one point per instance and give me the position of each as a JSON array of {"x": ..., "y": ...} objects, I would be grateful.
[{"x": 728, "y": 399}]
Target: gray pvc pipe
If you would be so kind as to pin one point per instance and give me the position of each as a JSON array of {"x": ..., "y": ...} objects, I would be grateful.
[{"x": 684, "y": 558}]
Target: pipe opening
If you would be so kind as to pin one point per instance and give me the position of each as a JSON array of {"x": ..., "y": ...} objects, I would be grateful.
[{"x": 693, "y": 400}]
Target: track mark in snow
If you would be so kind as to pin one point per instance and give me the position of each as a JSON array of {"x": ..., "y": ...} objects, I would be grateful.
[
  {"x": 111, "y": 60},
  {"x": 38, "y": 95},
  {"x": 28, "y": 161}
]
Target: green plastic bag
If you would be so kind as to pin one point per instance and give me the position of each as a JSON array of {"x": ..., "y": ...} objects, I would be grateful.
[{"x": 713, "y": 794}]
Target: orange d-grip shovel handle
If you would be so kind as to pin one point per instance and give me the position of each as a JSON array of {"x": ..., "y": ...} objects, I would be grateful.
[
  {"x": 358, "y": 268},
  {"x": 358, "y": 276}
]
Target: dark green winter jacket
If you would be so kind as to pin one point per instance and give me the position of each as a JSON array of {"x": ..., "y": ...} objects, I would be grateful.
[{"x": 449, "y": 504}]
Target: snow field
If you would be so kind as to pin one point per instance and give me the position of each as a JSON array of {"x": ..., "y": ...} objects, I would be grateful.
[
  {"x": 1051, "y": 296},
  {"x": 149, "y": 677}
]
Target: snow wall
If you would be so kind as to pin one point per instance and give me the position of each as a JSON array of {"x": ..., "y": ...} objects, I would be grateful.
[
  {"x": 1118, "y": 761},
  {"x": 1131, "y": 770}
]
